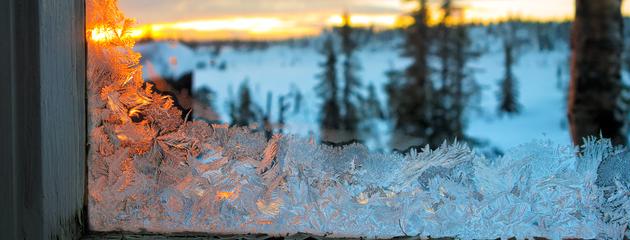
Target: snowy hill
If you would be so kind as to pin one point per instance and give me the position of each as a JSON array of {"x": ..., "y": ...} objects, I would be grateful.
[{"x": 166, "y": 59}]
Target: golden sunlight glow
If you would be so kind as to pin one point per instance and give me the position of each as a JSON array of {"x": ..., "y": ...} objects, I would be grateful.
[
  {"x": 366, "y": 20},
  {"x": 536, "y": 10},
  {"x": 103, "y": 34},
  {"x": 261, "y": 22},
  {"x": 229, "y": 28},
  {"x": 254, "y": 25}
]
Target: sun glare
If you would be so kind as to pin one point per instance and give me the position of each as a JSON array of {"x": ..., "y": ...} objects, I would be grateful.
[
  {"x": 366, "y": 20},
  {"x": 103, "y": 34},
  {"x": 266, "y": 22}
]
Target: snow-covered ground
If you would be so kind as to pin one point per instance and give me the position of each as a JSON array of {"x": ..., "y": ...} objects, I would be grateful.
[{"x": 280, "y": 68}]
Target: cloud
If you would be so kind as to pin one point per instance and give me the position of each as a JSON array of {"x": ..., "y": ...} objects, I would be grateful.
[{"x": 156, "y": 11}]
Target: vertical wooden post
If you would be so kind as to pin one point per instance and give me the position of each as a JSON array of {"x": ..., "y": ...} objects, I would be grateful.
[
  {"x": 42, "y": 119},
  {"x": 8, "y": 198}
]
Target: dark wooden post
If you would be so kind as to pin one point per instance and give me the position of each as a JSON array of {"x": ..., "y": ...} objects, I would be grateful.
[
  {"x": 42, "y": 119},
  {"x": 595, "y": 89}
]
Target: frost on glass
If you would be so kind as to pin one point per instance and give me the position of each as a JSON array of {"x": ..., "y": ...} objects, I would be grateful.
[{"x": 151, "y": 170}]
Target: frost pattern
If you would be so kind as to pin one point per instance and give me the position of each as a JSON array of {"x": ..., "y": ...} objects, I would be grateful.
[{"x": 149, "y": 170}]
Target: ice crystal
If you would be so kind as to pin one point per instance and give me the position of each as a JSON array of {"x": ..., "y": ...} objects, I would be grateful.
[{"x": 149, "y": 170}]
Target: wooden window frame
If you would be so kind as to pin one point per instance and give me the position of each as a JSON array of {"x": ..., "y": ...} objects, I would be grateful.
[{"x": 43, "y": 119}]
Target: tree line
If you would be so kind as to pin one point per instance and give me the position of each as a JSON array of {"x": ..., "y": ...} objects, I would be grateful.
[{"x": 429, "y": 100}]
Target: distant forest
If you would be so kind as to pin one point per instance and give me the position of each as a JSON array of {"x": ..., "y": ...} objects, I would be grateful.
[{"x": 429, "y": 100}]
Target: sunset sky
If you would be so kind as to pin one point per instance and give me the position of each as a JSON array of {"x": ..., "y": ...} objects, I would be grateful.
[{"x": 279, "y": 19}]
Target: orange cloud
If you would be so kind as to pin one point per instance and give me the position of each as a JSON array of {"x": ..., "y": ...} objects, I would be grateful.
[{"x": 282, "y": 19}]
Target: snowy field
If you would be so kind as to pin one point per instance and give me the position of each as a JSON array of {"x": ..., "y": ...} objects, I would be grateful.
[{"x": 280, "y": 68}]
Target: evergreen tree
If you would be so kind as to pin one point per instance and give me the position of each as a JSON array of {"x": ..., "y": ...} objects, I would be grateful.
[
  {"x": 508, "y": 92},
  {"x": 465, "y": 87},
  {"x": 205, "y": 96},
  {"x": 298, "y": 98},
  {"x": 328, "y": 88},
  {"x": 395, "y": 84},
  {"x": 372, "y": 106},
  {"x": 411, "y": 94},
  {"x": 427, "y": 111},
  {"x": 373, "y": 114},
  {"x": 351, "y": 96},
  {"x": 457, "y": 85},
  {"x": 283, "y": 107},
  {"x": 267, "y": 125},
  {"x": 442, "y": 120},
  {"x": 543, "y": 37},
  {"x": 203, "y": 104},
  {"x": 243, "y": 111}
]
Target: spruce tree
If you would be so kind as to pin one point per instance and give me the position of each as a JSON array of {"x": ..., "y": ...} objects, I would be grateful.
[
  {"x": 351, "y": 96},
  {"x": 372, "y": 106},
  {"x": 328, "y": 89},
  {"x": 203, "y": 104},
  {"x": 395, "y": 84},
  {"x": 442, "y": 120},
  {"x": 411, "y": 97},
  {"x": 266, "y": 119},
  {"x": 457, "y": 85},
  {"x": 508, "y": 92},
  {"x": 283, "y": 107},
  {"x": 243, "y": 111},
  {"x": 205, "y": 95},
  {"x": 373, "y": 114},
  {"x": 465, "y": 87}
]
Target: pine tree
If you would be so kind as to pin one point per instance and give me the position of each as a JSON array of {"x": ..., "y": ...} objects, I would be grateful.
[
  {"x": 283, "y": 107},
  {"x": 456, "y": 86},
  {"x": 465, "y": 87},
  {"x": 373, "y": 114},
  {"x": 410, "y": 94},
  {"x": 442, "y": 120},
  {"x": 205, "y": 95},
  {"x": 266, "y": 119},
  {"x": 596, "y": 84},
  {"x": 395, "y": 83},
  {"x": 203, "y": 104},
  {"x": 543, "y": 37},
  {"x": 351, "y": 96},
  {"x": 328, "y": 88},
  {"x": 243, "y": 112},
  {"x": 372, "y": 106},
  {"x": 508, "y": 92}
]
